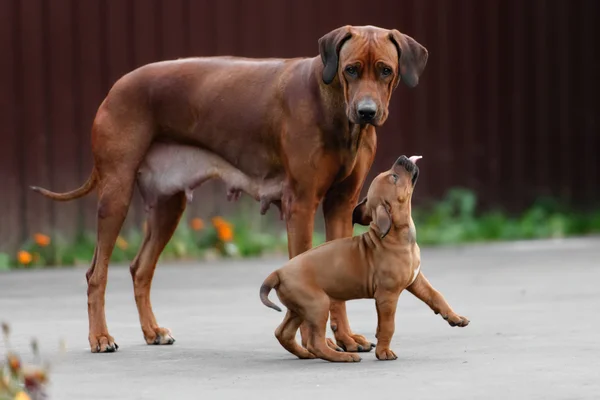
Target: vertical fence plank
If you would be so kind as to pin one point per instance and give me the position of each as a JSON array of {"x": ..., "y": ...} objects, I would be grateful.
[
  {"x": 62, "y": 143},
  {"x": 35, "y": 123},
  {"x": 589, "y": 59},
  {"x": 10, "y": 206}
]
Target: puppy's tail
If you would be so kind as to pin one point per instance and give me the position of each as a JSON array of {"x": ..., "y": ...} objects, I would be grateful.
[
  {"x": 74, "y": 194},
  {"x": 272, "y": 282}
]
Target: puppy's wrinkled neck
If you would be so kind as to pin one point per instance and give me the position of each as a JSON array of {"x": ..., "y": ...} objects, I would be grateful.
[{"x": 401, "y": 233}]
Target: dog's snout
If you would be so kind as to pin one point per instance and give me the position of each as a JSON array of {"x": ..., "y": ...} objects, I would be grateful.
[
  {"x": 366, "y": 109},
  {"x": 401, "y": 160}
]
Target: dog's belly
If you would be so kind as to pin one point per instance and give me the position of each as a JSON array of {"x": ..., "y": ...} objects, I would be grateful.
[{"x": 170, "y": 168}]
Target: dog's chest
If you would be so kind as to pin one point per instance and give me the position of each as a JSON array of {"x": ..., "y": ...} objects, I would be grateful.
[
  {"x": 415, "y": 273},
  {"x": 356, "y": 141}
]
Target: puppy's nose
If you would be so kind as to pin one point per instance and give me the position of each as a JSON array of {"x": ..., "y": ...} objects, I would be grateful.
[
  {"x": 401, "y": 160},
  {"x": 366, "y": 110}
]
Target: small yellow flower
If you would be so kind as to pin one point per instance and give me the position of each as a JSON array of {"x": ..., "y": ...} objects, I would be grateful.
[
  {"x": 122, "y": 243},
  {"x": 41, "y": 239},
  {"x": 24, "y": 257},
  {"x": 197, "y": 224},
  {"x": 22, "y": 396}
]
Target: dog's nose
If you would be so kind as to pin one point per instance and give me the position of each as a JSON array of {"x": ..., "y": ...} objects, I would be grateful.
[
  {"x": 401, "y": 160},
  {"x": 366, "y": 110}
]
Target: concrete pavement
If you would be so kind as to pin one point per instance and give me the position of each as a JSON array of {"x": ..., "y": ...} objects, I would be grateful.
[{"x": 534, "y": 310}]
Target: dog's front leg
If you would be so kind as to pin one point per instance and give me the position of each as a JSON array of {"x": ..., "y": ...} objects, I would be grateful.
[
  {"x": 338, "y": 224},
  {"x": 423, "y": 290},
  {"x": 386, "y": 303}
]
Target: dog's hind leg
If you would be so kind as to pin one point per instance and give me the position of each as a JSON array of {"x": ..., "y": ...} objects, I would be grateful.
[
  {"x": 119, "y": 143},
  {"x": 115, "y": 191},
  {"x": 316, "y": 319},
  {"x": 162, "y": 222},
  {"x": 286, "y": 334}
]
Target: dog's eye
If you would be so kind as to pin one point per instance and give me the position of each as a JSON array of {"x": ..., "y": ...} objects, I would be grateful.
[
  {"x": 351, "y": 70},
  {"x": 395, "y": 178},
  {"x": 386, "y": 71}
]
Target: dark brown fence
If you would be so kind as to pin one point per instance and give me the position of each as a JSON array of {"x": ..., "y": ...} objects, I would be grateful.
[{"x": 508, "y": 105}]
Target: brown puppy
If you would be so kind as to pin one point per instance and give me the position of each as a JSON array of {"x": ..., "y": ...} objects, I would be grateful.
[
  {"x": 304, "y": 126},
  {"x": 378, "y": 264}
]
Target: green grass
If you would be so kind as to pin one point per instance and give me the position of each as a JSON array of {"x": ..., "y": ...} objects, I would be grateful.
[{"x": 453, "y": 220}]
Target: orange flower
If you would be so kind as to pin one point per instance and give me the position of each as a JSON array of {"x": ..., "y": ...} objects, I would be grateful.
[
  {"x": 14, "y": 363},
  {"x": 122, "y": 243},
  {"x": 24, "y": 257},
  {"x": 225, "y": 232},
  {"x": 197, "y": 224},
  {"x": 41, "y": 239},
  {"x": 218, "y": 221}
]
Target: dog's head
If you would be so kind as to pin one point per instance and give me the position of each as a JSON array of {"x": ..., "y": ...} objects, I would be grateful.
[
  {"x": 369, "y": 63},
  {"x": 388, "y": 199}
]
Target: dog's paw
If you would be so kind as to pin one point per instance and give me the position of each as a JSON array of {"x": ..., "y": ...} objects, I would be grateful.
[
  {"x": 456, "y": 320},
  {"x": 354, "y": 343},
  {"x": 350, "y": 357},
  {"x": 102, "y": 344},
  {"x": 159, "y": 336},
  {"x": 385, "y": 354},
  {"x": 333, "y": 346}
]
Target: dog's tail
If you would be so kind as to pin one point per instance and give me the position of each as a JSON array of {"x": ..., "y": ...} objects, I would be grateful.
[
  {"x": 82, "y": 191},
  {"x": 272, "y": 282}
]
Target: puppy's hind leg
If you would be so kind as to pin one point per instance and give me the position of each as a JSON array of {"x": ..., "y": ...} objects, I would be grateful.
[
  {"x": 286, "y": 334},
  {"x": 316, "y": 318}
]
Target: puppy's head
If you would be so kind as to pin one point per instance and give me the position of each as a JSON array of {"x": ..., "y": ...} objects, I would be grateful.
[{"x": 388, "y": 199}]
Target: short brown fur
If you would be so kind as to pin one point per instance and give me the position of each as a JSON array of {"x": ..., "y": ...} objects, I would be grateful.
[
  {"x": 378, "y": 264},
  {"x": 293, "y": 120}
]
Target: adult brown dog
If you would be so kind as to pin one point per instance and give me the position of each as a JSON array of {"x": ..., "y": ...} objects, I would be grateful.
[
  {"x": 378, "y": 264},
  {"x": 309, "y": 122}
]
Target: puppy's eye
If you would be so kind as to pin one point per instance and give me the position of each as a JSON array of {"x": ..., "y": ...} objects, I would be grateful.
[
  {"x": 386, "y": 71},
  {"x": 351, "y": 70},
  {"x": 395, "y": 178}
]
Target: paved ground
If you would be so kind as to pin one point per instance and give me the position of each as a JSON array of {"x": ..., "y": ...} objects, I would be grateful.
[{"x": 534, "y": 310}]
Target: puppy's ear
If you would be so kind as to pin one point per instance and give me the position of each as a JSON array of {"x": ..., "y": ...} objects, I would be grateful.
[
  {"x": 412, "y": 58},
  {"x": 361, "y": 215},
  {"x": 329, "y": 48},
  {"x": 383, "y": 219}
]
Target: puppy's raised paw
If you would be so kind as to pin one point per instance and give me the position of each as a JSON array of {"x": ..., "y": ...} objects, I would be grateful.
[{"x": 457, "y": 320}]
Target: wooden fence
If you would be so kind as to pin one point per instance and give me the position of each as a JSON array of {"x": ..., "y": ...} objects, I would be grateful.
[{"x": 508, "y": 105}]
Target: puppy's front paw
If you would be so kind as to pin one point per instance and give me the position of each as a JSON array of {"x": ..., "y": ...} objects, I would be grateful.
[
  {"x": 385, "y": 354},
  {"x": 456, "y": 320}
]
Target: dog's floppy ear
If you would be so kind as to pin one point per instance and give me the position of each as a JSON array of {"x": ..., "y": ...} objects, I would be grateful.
[
  {"x": 383, "y": 219},
  {"x": 361, "y": 215},
  {"x": 412, "y": 58},
  {"x": 329, "y": 48}
]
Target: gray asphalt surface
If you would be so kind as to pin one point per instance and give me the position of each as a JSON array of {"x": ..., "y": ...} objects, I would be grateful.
[{"x": 534, "y": 310}]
